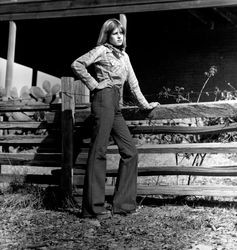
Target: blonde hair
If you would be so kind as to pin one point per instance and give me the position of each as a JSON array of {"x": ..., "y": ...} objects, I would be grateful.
[{"x": 108, "y": 27}]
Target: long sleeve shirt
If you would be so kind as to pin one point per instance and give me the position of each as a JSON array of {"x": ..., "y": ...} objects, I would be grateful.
[{"x": 112, "y": 67}]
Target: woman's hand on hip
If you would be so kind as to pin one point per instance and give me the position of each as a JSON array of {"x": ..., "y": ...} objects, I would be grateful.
[{"x": 104, "y": 84}]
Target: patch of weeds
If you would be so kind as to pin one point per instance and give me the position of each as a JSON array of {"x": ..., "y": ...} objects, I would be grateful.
[
  {"x": 22, "y": 196},
  {"x": 19, "y": 195}
]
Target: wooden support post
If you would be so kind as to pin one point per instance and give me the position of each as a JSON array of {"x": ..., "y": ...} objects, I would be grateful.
[
  {"x": 123, "y": 20},
  {"x": 10, "y": 57},
  {"x": 68, "y": 108}
]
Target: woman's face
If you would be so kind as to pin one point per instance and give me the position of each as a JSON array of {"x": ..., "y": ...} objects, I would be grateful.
[{"x": 116, "y": 37}]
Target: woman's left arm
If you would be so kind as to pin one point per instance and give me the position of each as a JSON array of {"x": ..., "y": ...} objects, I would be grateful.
[{"x": 135, "y": 88}]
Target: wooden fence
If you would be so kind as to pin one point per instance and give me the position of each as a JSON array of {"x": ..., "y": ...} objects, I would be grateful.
[
  {"x": 34, "y": 134},
  {"x": 27, "y": 142},
  {"x": 61, "y": 139},
  {"x": 170, "y": 112}
]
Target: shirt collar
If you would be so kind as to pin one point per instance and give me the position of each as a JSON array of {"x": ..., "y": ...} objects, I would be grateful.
[{"x": 117, "y": 52}]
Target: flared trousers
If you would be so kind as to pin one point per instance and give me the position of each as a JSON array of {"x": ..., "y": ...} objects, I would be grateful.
[{"x": 108, "y": 121}]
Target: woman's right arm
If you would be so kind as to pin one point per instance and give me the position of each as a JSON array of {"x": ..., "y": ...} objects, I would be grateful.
[{"x": 80, "y": 64}]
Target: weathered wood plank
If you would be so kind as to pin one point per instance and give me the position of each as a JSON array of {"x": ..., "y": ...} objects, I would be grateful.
[
  {"x": 183, "y": 148},
  {"x": 52, "y": 4},
  {"x": 53, "y": 9},
  {"x": 21, "y": 1},
  {"x": 226, "y": 191},
  {"x": 208, "y": 109},
  {"x": 31, "y": 159},
  {"x": 168, "y": 111},
  {"x": 212, "y": 148},
  {"x": 182, "y": 170},
  {"x": 28, "y": 125},
  {"x": 173, "y": 111},
  {"x": 175, "y": 170},
  {"x": 28, "y": 140},
  {"x": 214, "y": 129},
  {"x": 21, "y": 107},
  {"x": 177, "y": 190}
]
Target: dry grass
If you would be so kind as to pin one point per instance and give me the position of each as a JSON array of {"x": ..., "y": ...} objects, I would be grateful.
[
  {"x": 161, "y": 222},
  {"x": 18, "y": 195}
]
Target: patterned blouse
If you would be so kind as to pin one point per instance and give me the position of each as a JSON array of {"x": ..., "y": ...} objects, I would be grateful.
[{"x": 112, "y": 66}]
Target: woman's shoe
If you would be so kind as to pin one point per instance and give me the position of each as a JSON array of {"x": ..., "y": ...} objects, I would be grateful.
[
  {"x": 124, "y": 212},
  {"x": 102, "y": 215}
]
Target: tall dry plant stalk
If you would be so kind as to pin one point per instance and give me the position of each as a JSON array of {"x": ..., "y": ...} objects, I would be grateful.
[{"x": 212, "y": 71}]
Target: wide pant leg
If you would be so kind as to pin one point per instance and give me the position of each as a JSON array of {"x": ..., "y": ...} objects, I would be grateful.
[
  {"x": 109, "y": 120},
  {"x": 124, "y": 199},
  {"x": 103, "y": 110}
]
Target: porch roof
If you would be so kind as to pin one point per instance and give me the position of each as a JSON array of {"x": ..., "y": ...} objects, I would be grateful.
[{"x": 38, "y": 9}]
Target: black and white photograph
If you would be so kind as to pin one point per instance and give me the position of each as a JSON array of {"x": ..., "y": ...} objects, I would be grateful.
[{"x": 118, "y": 124}]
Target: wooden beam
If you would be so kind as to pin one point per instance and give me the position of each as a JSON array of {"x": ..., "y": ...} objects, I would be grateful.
[
  {"x": 177, "y": 190},
  {"x": 204, "y": 109},
  {"x": 28, "y": 140},
  {"x": 22, "y": 1},
  {"x": 79, "y": 174},
  {"x": 69, "y": 8},
  {"x": 31, "y": 159},
  {"x": 16, "y": 105},
  {"x": 182, "y": 170},
  {"x": 175, "y": 170},
  {"x": 214, "y": 129},
  {"x": 28, "y": 125},
  {"x": 203, "y": 190},
  {"x": 12, "y": 106},
  {"x": 182, "y": 148},
  {"x": 210, "y": 147},
  {"x": 173, "y": 111}
]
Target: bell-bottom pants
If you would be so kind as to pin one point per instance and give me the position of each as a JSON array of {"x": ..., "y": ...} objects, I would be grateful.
[{"x": 108, "y": 120}]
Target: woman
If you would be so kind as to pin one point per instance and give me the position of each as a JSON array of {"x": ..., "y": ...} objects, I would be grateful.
[{"x": 112, "y": 68}]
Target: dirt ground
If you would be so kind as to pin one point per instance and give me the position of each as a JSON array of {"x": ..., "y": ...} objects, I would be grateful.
[{"x": 160, "y": 223}]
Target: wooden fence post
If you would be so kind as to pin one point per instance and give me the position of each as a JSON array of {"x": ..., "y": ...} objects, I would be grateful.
[
  {"x": 68, "y": 107},
  {"x": 1, "y": 133},
  {"x": 82, "y": 93}
]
